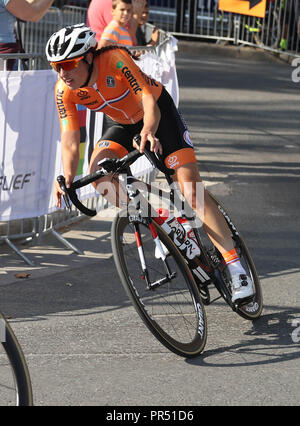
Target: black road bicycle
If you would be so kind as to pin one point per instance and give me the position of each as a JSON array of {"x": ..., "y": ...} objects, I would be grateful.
[
  {"x": 166, "y": 284},
  {"x": 15, "y": 383}
]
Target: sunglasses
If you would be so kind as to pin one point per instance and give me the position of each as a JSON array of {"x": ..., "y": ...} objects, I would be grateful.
[{"x": 67, "y": 65}]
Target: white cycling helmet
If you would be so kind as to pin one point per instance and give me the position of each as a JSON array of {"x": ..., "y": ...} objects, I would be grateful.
[{"x": 70, "y": 42}]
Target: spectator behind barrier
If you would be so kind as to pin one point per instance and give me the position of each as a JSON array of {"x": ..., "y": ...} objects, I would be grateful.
[
  {"x": 291, "y": 31},
  {"x": 140, "y": 35},
  {"x": 10, "y": 11},
  {"x": 99, "y": 15},
  {"x": 116, "y": 32}
]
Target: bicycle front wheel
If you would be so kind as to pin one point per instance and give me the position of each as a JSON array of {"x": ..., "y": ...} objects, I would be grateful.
[
  {"x": 15, "y": 384},
  {"x": 172, "y": 310}
]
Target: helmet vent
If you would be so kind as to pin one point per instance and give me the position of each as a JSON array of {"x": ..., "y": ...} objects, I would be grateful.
[
  {"x": 77, "y": 47},
  {"x": 55, "y": 46},
  {"x": 69, "y": 30},
  {"x": 63, "y": 48}
]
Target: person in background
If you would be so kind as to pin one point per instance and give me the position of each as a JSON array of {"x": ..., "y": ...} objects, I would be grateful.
[
  {"x": 290, "y": 12},
  {"x": 99, "y": 15},
  {"x": 116, "y": 32},
  {"x": 10, "y": 11},
  {"x": 140, "y": 35}
]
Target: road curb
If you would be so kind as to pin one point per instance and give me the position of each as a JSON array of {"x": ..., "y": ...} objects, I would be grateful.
[{"x": 228, "y": 50}]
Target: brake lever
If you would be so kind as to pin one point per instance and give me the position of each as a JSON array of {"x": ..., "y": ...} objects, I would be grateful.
[{"x": 62, "y": 183}]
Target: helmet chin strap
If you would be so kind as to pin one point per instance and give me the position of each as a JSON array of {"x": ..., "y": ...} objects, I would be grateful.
[{"x": 90, "y": 70}]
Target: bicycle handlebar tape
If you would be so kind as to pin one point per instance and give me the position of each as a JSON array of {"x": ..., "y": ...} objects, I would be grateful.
[
  {"x": 130, "y": 157},
  {"x": 78, "y": 204},
  {"x": 85, "y": 180},
  {"x": 71, "y": 193},
  {"x": 62, "y": 183}
]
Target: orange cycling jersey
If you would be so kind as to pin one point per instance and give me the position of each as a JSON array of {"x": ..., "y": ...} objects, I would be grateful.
[{"x": 117, "y": 93}]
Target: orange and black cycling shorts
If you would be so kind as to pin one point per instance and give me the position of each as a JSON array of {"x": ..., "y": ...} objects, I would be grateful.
[{"x": 172, "y": 134}]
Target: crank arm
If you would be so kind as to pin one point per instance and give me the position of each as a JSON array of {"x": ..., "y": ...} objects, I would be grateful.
[{"x": 162, "y": 281}]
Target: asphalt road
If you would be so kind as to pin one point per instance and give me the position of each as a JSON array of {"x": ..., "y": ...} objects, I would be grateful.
[{"x": 84, "y": 343}]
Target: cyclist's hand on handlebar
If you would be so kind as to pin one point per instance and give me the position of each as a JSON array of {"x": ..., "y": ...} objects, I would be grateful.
[
  {"x": 155, "y": 145},
  {"x": 58, "y": 192}
]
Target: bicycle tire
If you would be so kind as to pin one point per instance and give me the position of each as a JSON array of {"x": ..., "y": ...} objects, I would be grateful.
[
  {"x": 15, "y": 383},
  {"x": 174, "y": 312},
  {"x": 253, "y": 309}
]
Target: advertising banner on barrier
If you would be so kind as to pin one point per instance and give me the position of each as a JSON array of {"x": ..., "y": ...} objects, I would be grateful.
[
  {"x": 244, "y": 7},
  {"x": 30, "y": 151},
  {"x": 28, "y": 138}
]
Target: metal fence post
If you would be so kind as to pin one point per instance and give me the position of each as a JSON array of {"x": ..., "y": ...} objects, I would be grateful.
[{"x": 236, "y": 28}]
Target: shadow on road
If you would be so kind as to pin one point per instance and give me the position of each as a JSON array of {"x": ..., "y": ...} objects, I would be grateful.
[{"x": 270, "y": 341}]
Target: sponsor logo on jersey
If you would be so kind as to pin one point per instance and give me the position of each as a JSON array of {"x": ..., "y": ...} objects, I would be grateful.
[
  {"x": 187, "y": 138},
  {"x": 172, "y": 161},
  {"x": 110, "y": 81},
  {"x": 104, "y": 144},
  {"x": 130, "y": 77},
  {"x": 83, "y": 94},
  {"x": 60, "y": 104},
  {"x": 64, "y": 122}
]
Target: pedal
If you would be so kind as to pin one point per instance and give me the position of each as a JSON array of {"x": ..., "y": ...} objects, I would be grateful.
[{"x": 242, "y": 302}]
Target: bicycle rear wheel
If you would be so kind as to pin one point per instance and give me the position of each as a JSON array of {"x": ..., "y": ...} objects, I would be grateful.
[
  {"x": 253, "y": 309},
  {"x": 15, "y": 385},
  {"x": 173, "y": 311}
]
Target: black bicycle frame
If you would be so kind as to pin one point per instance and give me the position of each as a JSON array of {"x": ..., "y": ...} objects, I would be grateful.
[{"x": 136, "y": 218}]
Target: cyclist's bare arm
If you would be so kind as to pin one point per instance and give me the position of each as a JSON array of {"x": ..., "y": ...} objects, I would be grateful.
[
  {"x": 151, "y": 122},
  {"x": 70, "y": 141},
  {"x": 27, "y": 10}
]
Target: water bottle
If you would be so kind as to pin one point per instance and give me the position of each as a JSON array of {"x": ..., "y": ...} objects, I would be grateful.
[
  {"x": 180, "y": 231},
  {"x": 188, "y": 230}
]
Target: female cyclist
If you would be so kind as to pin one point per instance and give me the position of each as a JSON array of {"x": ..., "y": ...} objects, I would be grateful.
[{"x": 108, "y": 80}]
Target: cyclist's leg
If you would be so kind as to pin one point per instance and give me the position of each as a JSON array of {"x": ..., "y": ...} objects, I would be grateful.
[
  {"x": 106, "y": 186},
  {"x": 189, "y": 181},
  {"x": 115, "y": 143},
  {"x": 178, "y": 154},
  {"x": 214, "y": 223}
]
